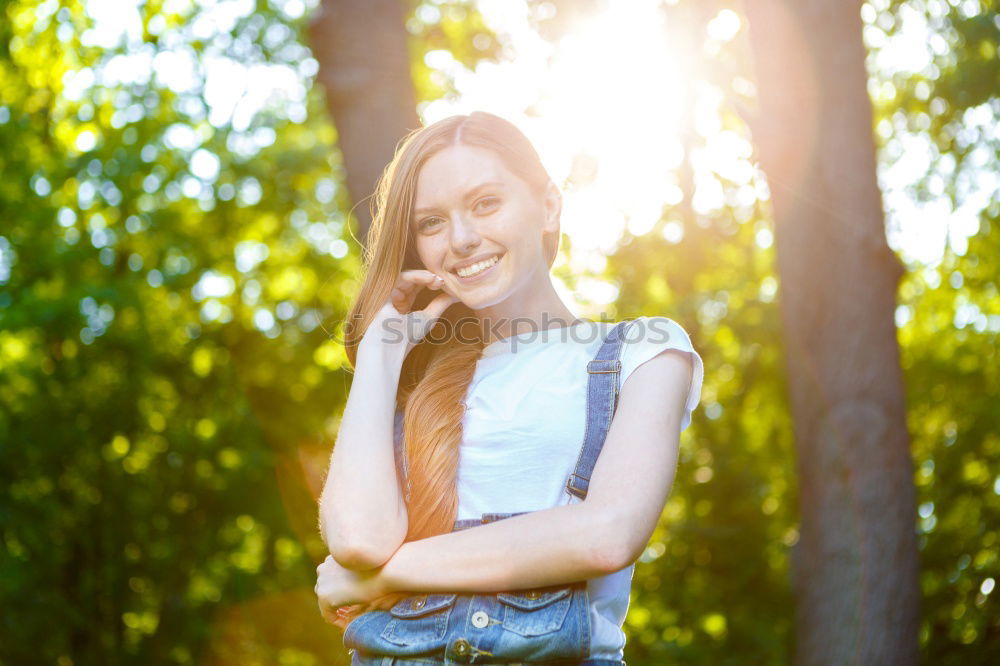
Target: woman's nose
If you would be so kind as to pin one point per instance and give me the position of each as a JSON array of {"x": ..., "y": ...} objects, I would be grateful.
[{"x": 464, "y": 235}]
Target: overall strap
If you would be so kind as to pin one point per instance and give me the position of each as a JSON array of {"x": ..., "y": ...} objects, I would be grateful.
[{"x": 602, "y": 401}]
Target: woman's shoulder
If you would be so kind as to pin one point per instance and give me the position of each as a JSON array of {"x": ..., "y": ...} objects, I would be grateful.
[
  {"x": 658, "y": 330},
  {"x": 647, "y": 337},
  {"x": 649, "y": 331}
]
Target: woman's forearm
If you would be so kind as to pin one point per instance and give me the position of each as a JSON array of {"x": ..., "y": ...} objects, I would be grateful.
[
  {"x": 362, "y": 514},
  {"x": 554, "y": 546}
]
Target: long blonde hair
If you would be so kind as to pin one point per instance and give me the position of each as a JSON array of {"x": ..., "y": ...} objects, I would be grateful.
[{"x": 435, "y": 375}]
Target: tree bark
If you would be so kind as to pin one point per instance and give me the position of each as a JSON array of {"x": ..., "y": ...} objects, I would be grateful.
[
  {"x": 855, "y": 566},
  {"x": 364, "y": 67}
]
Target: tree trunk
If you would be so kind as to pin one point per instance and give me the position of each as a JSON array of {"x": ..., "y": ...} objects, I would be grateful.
[
  {"x": 364, "y": 66},
  {"x": 854, "y": 568}
]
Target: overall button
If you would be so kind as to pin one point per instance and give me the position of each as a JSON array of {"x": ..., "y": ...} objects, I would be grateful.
[
  {"x": 418, "y": 603},
  {"x": 461, "y": 647},
  {"x": 532, "y": 594},
  {"x": 480, "y": 619}
]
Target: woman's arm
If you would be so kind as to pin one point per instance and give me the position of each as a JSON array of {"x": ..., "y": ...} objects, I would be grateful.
[
  {"x": 362, "y": 515},
  {"x": 604, "y": 533}
]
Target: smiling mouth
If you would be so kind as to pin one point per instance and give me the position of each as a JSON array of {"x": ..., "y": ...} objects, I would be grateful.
[{"x": 477, "y": 268}]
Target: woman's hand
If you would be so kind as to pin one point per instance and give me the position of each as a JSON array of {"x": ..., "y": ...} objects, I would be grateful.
[
  {"x": 395, "y": 323},
  {"x": 340, "y": 588}
]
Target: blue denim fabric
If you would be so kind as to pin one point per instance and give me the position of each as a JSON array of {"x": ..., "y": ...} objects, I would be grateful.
[
  {"x": 377, "y": 660},
  {"x": 548, "y": 624}
]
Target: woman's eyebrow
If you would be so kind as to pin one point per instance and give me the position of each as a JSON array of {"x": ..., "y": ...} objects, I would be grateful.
[{"x": 469, "y": 194}]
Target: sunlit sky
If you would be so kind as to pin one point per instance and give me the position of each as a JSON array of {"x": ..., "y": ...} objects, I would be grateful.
[{"x": 609, "y": 89}]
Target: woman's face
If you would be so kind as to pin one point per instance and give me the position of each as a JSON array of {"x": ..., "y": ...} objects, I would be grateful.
[{"x": 470, "y": 209}]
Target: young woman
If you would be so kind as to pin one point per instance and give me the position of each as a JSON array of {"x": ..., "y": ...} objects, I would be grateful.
[{"x": 491, "y": 530}]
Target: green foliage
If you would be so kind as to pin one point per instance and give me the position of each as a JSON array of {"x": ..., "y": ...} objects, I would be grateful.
[
  {"x": 454, "y": 30},
  {"x": 714, "y": 586},
  {"x": 949, "y": 319},
  {"x": 163, "y": 368},
  {"x": 170, "y": 289}
]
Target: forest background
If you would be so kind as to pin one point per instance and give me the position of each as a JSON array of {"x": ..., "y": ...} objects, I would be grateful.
[{"x": 178, "y": 248}]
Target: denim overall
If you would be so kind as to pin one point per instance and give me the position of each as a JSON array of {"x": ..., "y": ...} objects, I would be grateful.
[{"x": 548, "y": 624}]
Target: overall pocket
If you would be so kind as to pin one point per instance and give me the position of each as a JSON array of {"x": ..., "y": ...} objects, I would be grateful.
[
  {"x": 419, "y": 620},
  {"x": 535, "y": 612}
]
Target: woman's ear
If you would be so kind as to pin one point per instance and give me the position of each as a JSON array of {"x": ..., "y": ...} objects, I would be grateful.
[{"x": 553, "y": 207}]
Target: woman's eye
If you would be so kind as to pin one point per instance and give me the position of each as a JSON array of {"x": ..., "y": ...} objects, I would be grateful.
[
  {"x": 427, "y": 222},
  {"x": 491, "y": 202}
]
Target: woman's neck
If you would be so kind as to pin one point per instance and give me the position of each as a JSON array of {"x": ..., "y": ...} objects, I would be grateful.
[{"x": 544, "y": 311}]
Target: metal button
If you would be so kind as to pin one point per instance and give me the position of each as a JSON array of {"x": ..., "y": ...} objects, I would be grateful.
[
  {"x": 533, "y": 594},
  {"x": 418, "y": 603},
  {"x": 461, "y": 647},
  {"x": 480, "y": 619}
]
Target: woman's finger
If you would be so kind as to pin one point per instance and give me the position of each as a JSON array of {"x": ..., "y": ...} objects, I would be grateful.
[
  {"x": 436, "y": 307},
  {"x": 409, "y": 283},
  {"x": 326, "y": 610},
  {"x": 409, "y": 280},
  {"x": 333, "y": 618},
  {"x": 336, "y": 616},
  {"x": 400, "y": 300}
]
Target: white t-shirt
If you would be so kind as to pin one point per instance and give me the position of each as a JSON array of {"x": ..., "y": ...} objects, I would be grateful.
[{"x": 524, "y": 427}]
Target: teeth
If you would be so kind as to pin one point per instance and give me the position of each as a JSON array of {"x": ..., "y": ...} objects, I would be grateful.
[{"x": 469, "y": 271}]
